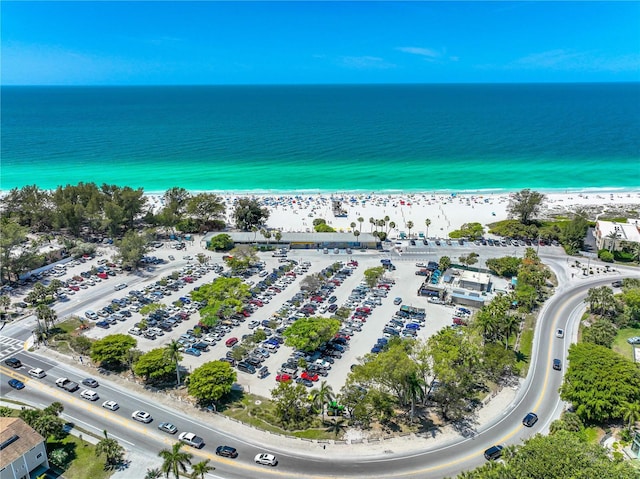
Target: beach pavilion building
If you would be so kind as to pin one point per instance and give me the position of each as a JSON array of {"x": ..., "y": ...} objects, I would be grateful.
[{"x": 302, "y": 240}]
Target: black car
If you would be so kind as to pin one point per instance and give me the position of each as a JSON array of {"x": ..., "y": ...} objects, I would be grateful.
[
  {"x": 306, "y": 382},
  {"x": 13, "y": 362},
  {"x": 493, "y": 453},
  {"x": 226, "y": 451},
  {"x": 530, "y": 419},
  {"x": 557, "y": 364},
  {"x": 92, "y": 383}
]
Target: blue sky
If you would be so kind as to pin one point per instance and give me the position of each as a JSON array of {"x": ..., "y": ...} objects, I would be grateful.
[{"x": 146, "y": 43}]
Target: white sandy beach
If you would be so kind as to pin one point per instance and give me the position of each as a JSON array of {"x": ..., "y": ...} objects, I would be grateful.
[{"x": 446, "y": 212}]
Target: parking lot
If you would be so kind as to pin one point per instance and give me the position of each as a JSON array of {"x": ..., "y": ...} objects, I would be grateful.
[{"x": 363, "y": 335}]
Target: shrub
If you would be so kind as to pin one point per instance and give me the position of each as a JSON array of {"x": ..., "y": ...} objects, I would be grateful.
[{"x": 605, "y": 256}]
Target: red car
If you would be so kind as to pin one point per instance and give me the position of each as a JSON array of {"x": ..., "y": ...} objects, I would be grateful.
[
  {"x": 231, "y": 342},
  {"x": 188, "y": 279},
  {"x": 245, "y": 313},
  {"x": 103, "y": 275},
  {"x": 283, "y": 378},
  {"x": 78, "y": 278},
  {"x": 257, "y": 302},
  {"x": 310, "y": 376},
  {"x": 74, "y": 287},
  {"x": 363, "y": 309},
  {"x": 343, "y": 335}
]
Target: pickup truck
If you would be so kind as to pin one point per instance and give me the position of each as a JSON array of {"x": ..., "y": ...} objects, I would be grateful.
[
  {"x": 67, "y": 384},
  {"x": 191, "y": 439}
]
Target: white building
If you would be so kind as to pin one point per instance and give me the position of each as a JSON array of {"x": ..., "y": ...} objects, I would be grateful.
[
  {"x": 474, "y": 280},
  {"x": 22, "y": 450},
  {"x": 611, "y": 234}
]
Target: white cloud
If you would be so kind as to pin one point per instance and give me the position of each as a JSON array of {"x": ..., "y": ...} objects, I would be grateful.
[
  {"x": 569, "y": 60},
  {"x": 425, "y": 52},
  {"x": 366, "y": 62}
]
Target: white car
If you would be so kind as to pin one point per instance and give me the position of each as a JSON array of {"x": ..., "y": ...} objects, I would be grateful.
[
  {"x": 559, "y": 333},
  {"x": 141, "y": 416},
  {"x": 89, "y": 395},
  {"x": 37, "y": 373},
  {"x": 111, "y": 405},
  {"x": 266, "y": 459},
  {"x": 120, "y": 286}
]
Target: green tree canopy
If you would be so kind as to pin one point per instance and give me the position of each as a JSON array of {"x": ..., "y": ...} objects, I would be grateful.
[
  {"x": 599, "y": 381},
  {"x": 112, "y": 350},
  {"x": 224, "y": 297},
  {"x": 472, "y": 231},
  {"x": 221, "y": 242},
  {"x": 372, "y": 275},
  {"x": 506, "y": 266},
  {"x": 525, "y": 205},
  {"x": 132, "y": 247},
  {"x": 601, "y": 332},
  {"x": 307, "y": 334},
  {"x": 155, "y": 365},
  {"x": 211, "y": 381},
  {"x": 248, "y": 213}
]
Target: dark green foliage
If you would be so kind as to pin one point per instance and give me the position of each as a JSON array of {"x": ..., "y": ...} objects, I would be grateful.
[
  {"x": 248, "y": 213},
  {"x": 506, "y": 266},
  {"x": 211, "y": 381},
  {"x": 599, "y": 382},
  {"x": 601, "y": 332},
  {"x": 324, "y": 228},
  {"x": 221, "y": 242},
  {"x": 472, "y": 231},
  {"x": 307, "y": 334},
  {"x": 525, "y": 205},
  {"x": 605, "y": 256}
]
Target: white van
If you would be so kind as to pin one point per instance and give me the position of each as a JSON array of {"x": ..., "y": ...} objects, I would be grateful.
[
  {"x": 120, "y": 286},
  {"x": 37, "y": 373}
]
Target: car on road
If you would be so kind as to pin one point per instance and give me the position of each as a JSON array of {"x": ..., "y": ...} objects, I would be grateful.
[
  {"x": 266, "y": 459},
  {"x": 37, "y": 373},
  {"x": 13, "y": 362},
  {"x": 226, "y": 451},
  {"x": 92, "y": 383},
  {"x": 530, "y": 419},
  {"x": 15, "y": 384},
  {"x": 191, "y": 439},
  {"x": 617, "y": 284},
  {"x": 397, "y": 301},
  {"x": 493, "y": 453},
  {"x": 557, "y": 364},
  {"x": 167, "y": 427},
  {"x": 111, "y": 405},
  {"x": 141, "y": 416},
  {"x": 559, "y": 333},
  {"x": 89, "y": 395}
]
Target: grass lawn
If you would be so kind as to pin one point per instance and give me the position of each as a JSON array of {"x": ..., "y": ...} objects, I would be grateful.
[
  {"x": 84, "y": 462},
  {"x": 526, "y": 345},
  {"x": 620, "y": 344}
]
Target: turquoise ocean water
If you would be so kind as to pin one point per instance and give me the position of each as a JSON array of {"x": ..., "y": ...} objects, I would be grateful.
[{"x": 372, "y": 138}]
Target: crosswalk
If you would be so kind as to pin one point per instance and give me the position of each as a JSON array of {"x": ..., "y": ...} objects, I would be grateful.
[{"x": 9, "y": 346}]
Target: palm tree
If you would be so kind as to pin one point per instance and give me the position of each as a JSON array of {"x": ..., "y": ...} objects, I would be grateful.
[
  {"x": 360, "y": 220},
  {"x": 337, "y": 426},
  {"x": 175, "y": 460},
  {"x": 356, "y": 233},
  {"x": 631, "y": 413},
  {"x": 409, "y": 226},
  {"x": 372, "y": 222},
  {"x": 427, "y": 223},
  {"x": 200, "y": 469},
  {"x": 509, "y": 323},
  {"x": 47, "y": 315},
  {"x": 278, "y": 236},
  {"x": 173, "y": 350},
  {"x": 254, "y": 229},
  {"x": 323, "y": 395},
  {"x": 353, "y": 225},
  {"x": 613, "y": 236},
  {"x": 414, "y": 386},
  {"x": 153, "y": 474},
  {"x": 111, "y": 449}
]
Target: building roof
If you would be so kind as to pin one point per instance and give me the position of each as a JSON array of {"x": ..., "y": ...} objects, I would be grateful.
[
  {"x": 629, "y": 231},
  {"x": 250, "y": 237},
  {"x": 475, "y": 277},
  {"x": 16, "y": 438}
]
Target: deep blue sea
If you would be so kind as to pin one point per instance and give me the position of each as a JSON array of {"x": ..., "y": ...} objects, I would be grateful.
[{"x": 374, "y": 138}]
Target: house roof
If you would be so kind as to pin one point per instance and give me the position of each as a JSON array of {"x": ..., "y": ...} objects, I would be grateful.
[
  {"x": 474, "y": 277},
  {"x": 629, "y": 231},
  {"x": 16, "y": 438}
]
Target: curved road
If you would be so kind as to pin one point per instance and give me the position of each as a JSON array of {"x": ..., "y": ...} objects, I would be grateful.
[{"x": 538, "y": 394}]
